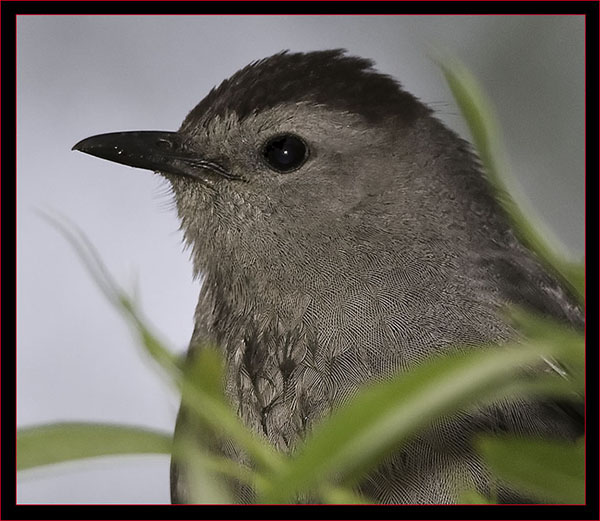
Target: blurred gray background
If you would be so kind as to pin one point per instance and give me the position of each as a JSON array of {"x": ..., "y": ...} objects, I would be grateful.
[{"x": 84, "y": 75}]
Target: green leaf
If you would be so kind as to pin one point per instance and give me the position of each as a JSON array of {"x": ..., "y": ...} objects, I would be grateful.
[
  {"x": 204, "y": 473},
  {"x": 382, "y": 416},
  {"x": 568, "y": 341},
  {"x": 209, "y": 419},
  {"x": 551, "y": 471},
  {"x": 203, "y": 395},
  {"x": 113, "y": 292},
  {"x": 478, "y": 113},
  {"x": 472, "y": 497},
  {"x": 60, "y": 442},
  {"x": 342, "y": 496},
  {"x": 153, "y": 346},
  {"x": 575, "y": 273},
  {"x": 200, "y": 378},
  {"x": 569, "y": 344}
]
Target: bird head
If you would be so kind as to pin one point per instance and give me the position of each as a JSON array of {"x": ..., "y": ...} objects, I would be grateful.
[{"x": 297, "y": 145}]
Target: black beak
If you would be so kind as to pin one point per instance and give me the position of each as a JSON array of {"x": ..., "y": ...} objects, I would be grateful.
[{"x": 158, "y": 151}]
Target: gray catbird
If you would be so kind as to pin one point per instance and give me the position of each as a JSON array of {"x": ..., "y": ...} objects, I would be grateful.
[{"x": 344, "y": 234}]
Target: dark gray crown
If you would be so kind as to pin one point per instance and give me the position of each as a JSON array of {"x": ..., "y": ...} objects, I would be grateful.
[{"x": 329, "y": 78}]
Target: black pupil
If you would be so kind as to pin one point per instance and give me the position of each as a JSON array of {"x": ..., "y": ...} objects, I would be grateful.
[{"x": 285, "y": 153}]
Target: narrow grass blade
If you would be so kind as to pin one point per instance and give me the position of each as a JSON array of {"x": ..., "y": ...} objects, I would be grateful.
[
  {"x": 60, "y": 442},
  {"x": 203, "y": 395},
  {"x": 477, "y": 111},
  {"x": 472, "y": 497},
  {"x": 343, "y": 496},
  {"x": 568, "y": 341},
  {"x": 381, "y": 417},
  {"x": 569, "y": 344},
  {"x": 200, "y": 381},
  {"x": 113, "y": 292},
  {"x": 552, "y": 471},
  {"x": 204, "y": 473}
]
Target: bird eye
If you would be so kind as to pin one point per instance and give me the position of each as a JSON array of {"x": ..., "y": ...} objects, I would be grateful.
[{"x": 285, "y": 153}]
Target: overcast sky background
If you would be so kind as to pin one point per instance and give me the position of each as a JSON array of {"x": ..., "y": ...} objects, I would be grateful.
[{"x": 83, "y": 75}]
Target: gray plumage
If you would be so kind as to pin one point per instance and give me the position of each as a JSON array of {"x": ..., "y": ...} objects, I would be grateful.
[{"x": 383, "y": 248}]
